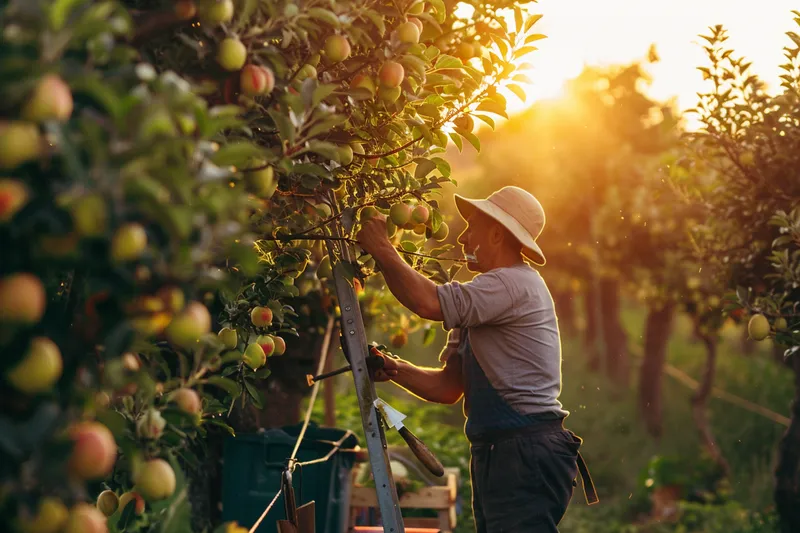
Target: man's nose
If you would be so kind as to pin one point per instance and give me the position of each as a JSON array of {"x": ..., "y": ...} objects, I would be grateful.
[{"x": 463, "y": 238}]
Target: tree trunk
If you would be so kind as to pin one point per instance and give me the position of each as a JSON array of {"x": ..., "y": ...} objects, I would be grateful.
[
  {"x": 565, "y": 311},
  {"x": 591, "y": 340},
  {"x": 700, "y": 403},
  {"x": 616, "y": 341},
  {"x": 658, "y": 327},
  {"x": 787, "y": 494}
]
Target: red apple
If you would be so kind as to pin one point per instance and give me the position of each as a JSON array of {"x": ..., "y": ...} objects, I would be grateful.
[
  {"x": 420, "y": 214},
  {"x": 51, "y": 100},
  {"x": 155, "y": 480},
  {"x": 22, "y": 298},
  {"x": 255, "y": 80},
  {"x": 186, "y": 9},
  {"x": 39, "y": 370},
  {"x": 261, "y": 316},
  {"x": 280, "y": 345},
  {"x": 150, "y": 425},
  {"x": 391, "y": 74},
  {"x": 400, "y": 213},
  {"x": 126, "y": 498},
  {"x": 94, "y": 452},
  {"x": 267, "y": 344},
  {"x": 13, "y": 197}
]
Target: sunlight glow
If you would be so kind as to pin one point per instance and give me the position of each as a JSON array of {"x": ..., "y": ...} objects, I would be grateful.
[{"x": 587, "y": 32}]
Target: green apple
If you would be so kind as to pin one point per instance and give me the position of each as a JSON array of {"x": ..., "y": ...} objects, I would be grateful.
[{"x": 254, "y": 356}]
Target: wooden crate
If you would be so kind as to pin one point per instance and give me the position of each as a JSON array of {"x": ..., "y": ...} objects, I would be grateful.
[{"x": 442, "y": 499}]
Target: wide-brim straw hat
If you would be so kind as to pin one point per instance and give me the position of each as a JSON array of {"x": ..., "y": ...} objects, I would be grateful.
[{"x": 517, "y": 210}]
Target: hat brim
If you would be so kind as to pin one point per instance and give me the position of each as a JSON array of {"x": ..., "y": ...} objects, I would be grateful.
[{"x": 530, "y": 249}]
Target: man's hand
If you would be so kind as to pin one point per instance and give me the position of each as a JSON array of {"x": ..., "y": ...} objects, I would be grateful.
[
  {"x": 388, "y": 369},
  {"x": 373, "y": 237}
]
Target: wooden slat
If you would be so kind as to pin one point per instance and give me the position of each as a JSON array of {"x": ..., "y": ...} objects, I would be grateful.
[{"x": 425, "y": 498}]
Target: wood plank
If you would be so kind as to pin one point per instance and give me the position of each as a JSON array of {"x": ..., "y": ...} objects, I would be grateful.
[{"x": 426, "y": 498}]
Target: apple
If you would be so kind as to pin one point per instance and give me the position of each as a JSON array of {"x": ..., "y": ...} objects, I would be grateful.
[
  {"x": 758, "y": 327},
  {"x": 231, "y": 54},
  {"x": 337, "y": 48},
  {"x": 267, "y": 344},
  {"x": 345, "y": 154},
  {"x": 420, "y": 229},
  {"x": 189, "y": 325},
  {"x": 391, "y": 74},
  {"x": 399, "y": 339},
  {"x": 94, "y": 451},
  {"x": 84, "y": 518},
  {"x": 51, "y": 100},
  {"x": 155, "y": 480},
  {"x": 441, "y": 233},
  {"x": 417, "y": 8},
  {"x": 368, "y": 213},
  {"x": 186, "y": 9},
  {"x": 442, "y": 43},
  {"x": 20, "y": 142},
  {"x": 188, "y": 400},
  {"x": 280, "y": 345},
  {"x": 465, "y": 50},
  {"x": 215, "y": 11},
  {"x": 108, "y": 502},
  {"x": 408, "y": 32},
  {"x": 306, "y": 71},
  {"x": 129, "y": 242},
  {"x": 363, "y": 81},
  {"x": 22, "y": 298},
  {"x": 13, "y": 197},
  {"x": 228, "y": 337},
  {"x": 51, "y": 515},
  {"x": 255, "y": 80},
  {"x": 420, "y": 214},
  {"x": 261, "y": 316},
  {"x": 324, "y": 270},
  {"x": 254, "y": 356},
  {"x": 261, "y": 182},
  {"x": 151, "y": 425},
  {"x": 128, "y": 497},
  {"x": 464, "y": 122},
  {"x": 39, "y": 370},
  {"x": 781, "y": 324},
  {"x": 90, "y": 215},
  {"x": 389, "y": 94},
  {"x": 173, "y": 298},
  {"x": 400, "y": 213}
]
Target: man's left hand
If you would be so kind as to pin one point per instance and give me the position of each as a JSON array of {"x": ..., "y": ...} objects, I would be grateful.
[{"x": 373, "y": 237}]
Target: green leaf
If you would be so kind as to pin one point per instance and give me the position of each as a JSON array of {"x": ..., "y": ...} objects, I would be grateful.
[
  {"x": 424, "y": 167},
  {"x": 493, "y": 107},
  {"x": 409, "y": 246},
  {"x": 237, "y": 154},
  {"x": 471, "y": 137},
  {"x": 59, "y": 12},
  {"x": 446, "y": 61},
  {"x": 377, "y": 20},
  {"x": 533, "y": 19},
  {"x": 534, "y": 37},
  {"x": 220, "y": 424},
  {"x": 487, "y": 119},
  {"x": 328, "y": 17},
  {"x": 524, "y": 51},
  {"x": 321, "y": 93},
  {"x": 228, "y": 385},
  {"x": 521, "y": 78},
  {"x": 457, "y": 141},
  {"x": 255, "y": 394},
  {"x": 517, "y": 18},
  {"x": 516, "y": 89},
  {"x": 439, "y": 9},
  {"x": 285, "y": 127},
  {"x": 436, "y": 220}
]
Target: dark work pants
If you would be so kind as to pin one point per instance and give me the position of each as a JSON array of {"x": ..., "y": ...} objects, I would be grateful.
[{"x": 523, "y": 483}]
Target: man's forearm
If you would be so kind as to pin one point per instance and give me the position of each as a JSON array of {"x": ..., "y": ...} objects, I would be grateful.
[
  {"x": 412, "y": 289},
  {"x": 430, "y": 384}
]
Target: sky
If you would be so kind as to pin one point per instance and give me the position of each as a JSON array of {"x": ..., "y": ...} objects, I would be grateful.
[{"x": 605, "y": 32}]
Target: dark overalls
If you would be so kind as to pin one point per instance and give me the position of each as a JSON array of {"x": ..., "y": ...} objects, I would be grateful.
[{"x": 523, "y": 467}]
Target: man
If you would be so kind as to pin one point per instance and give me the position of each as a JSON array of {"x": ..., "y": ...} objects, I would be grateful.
[{"x": 503, "y": 356}]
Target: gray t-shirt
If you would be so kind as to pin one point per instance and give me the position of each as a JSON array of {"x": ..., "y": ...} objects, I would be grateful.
[{"x": 513, "y": 331}]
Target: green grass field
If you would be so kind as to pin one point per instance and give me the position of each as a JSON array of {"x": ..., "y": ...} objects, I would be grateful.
[{"x": 616, "y": 446}]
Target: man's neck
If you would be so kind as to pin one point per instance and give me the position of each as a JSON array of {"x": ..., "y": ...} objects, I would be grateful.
[{"x": 505, "y": 260}]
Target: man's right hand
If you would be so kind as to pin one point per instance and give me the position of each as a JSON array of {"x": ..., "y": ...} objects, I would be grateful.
[{"x": 390, "y": 368}]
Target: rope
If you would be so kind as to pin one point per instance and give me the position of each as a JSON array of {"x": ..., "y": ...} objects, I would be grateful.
[
  {"x": 320, "y": 367},
  {"x": 258, "y": 522},
  {"x": 292, "y": 461}
]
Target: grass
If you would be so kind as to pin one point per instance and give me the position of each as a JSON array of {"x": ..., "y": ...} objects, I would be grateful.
[{"x": 617, "y": 448}]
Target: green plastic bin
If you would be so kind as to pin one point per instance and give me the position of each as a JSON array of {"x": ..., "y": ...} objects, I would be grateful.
[{"x": 252, "y": 476}]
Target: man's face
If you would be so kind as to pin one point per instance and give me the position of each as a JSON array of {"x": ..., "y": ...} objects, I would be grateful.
[{"x": 474, "y": 240}]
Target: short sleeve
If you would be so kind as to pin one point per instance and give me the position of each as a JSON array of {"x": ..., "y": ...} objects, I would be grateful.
[{"x": 484, "y": 300}]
